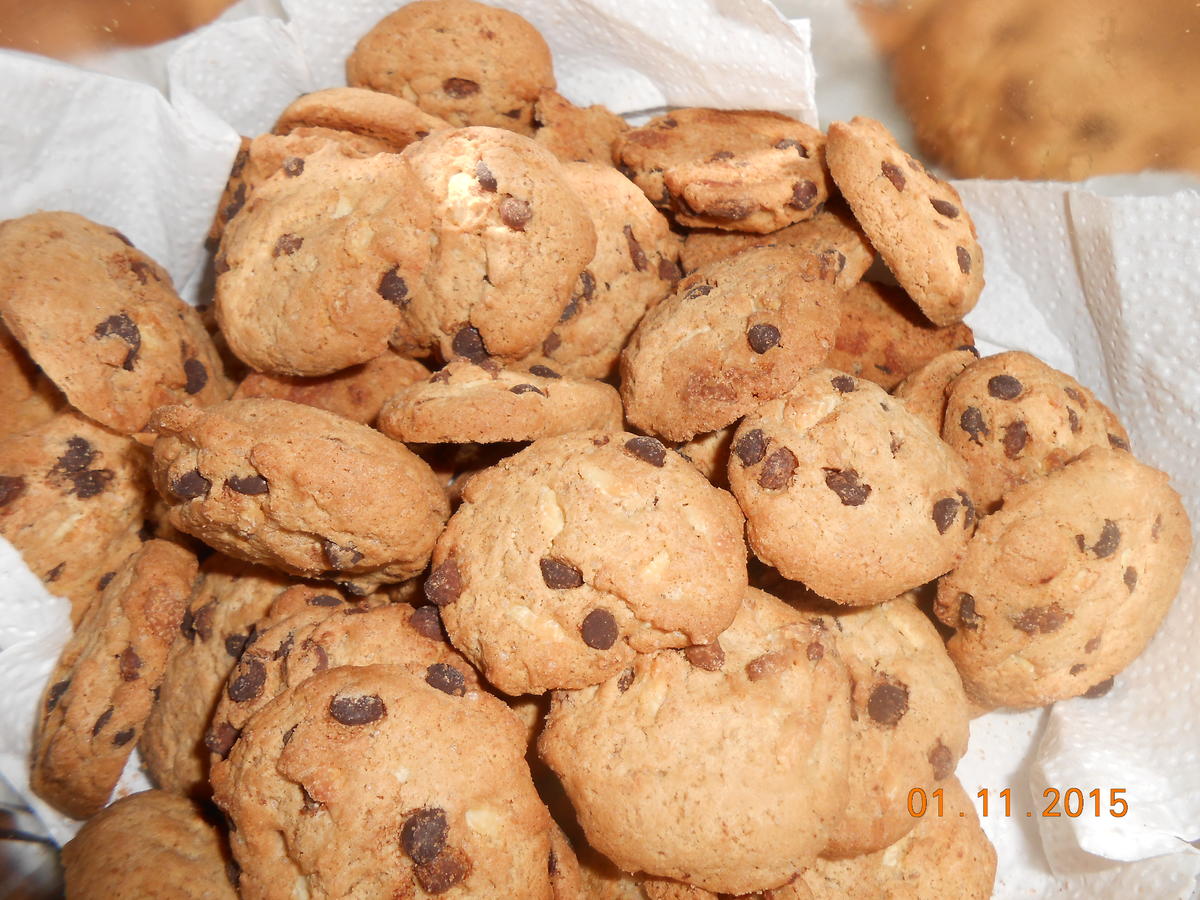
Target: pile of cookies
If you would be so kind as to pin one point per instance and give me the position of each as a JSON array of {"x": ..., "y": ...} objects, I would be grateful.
[{"x": 547, "y": 507}]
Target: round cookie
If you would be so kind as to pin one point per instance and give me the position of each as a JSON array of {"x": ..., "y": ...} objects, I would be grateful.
[
  {"x": 73, "y": 499},
  {"x": 426, "y": 792},
  {"x": 313, "y": 272},
  {"x": 576, "y": 133},
  {"x": 923, "y": 391},
  {"x": 635, "y": 266},
  {"x": 731, "y": 337},
  {"x": 847, "y": 492},
  {"x": 298, "y": 489},
  {"x": 150, "y": 844},
  {"x": 229, "y": 599},
  {"x": 357, "y": 393},
  {"x": 737, "y": 170},
  {"x": 832, "y": 240},
  {"x": 565, "y": 561},
  {"x": 480, "y": 402},
  {"x": 101, "y": 688},
  {"x": 512, "y": 238},
  {"x": 723, "y": 764},
  {"x": 915, "y": 220},
  {"x": 27, "y": 397},
  {"x": 1014, "y": 418},
  {"x": 384, "y": 117},
  {"x": 468, "y": 63},
  {"x": 1065, "y": 585},
  {"x": 103, "y": 321},
  {"x": 883, "y": 337}
]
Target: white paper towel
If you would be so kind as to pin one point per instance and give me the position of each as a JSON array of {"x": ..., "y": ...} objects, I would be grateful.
[{"x": 1102, "y": 287}]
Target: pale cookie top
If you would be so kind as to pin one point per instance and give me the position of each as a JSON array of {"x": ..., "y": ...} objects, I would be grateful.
[
  {"x": 481, "y": 402},
  {"x": 847, "y": 492},
  {"x": 314, "y": 270},
  {"x": 576, "y": 133},
  {"x": 385, "y": 117},
  {"x": 426, "y": 792},
  {"x": 724, "y": 764},
  {"x": 145, "y": 845},
  {"x": 1064, "y": 585},
  {"x": 510, "y": 240},
  {"x": 468, "y": 63},
  {"x": 1013, "y": 418},
  {"x": 740, "y": 170},
  {"x": 915, "y": 220},
  {"x": 298, "y": 489},
  {"x": 567, "y": 559},
  {"x": 103, "y": 320},
  {"x": 732, "y": 336}
]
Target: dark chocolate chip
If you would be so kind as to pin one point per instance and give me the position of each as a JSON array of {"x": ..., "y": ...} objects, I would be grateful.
[
  {"x": 1076, "y": 396},
  {"x": 636, "y": 253},
  {"x": 1130, "y": 578},
  {"x": 447, "y": 869},
  {"x": 599, "y": 629},
  {"x": 55, "y": 694},
  {"x": 458, "y": 88},
  {"x": 894, "y": 174},
  {"x": 235, "y": 644},
  {"x": 444, "y": 584},
  {"x": 552, "y": 863},
  {"x": 424, "y": 834},
  {"x": 777, "y": 470},
  {"x": 543, "y": 372},
  {"x": 1117, "y": 442},
  {"x": 393, "y": 288},
  {"x": 484, "y": 176},
  {"x": 888, "y": 703},
  {"x": 91, "y": 483},
  {"x": 1004, "y": 387},
  {"x": 284, "y": 650},
  {"x": 790, "y": 143},
  {"x": 468, "y": 343},
  {"x": 764, "y": 666},
  {"x": 220, "y": 739},
  {"x": 1099, "y": 690},
  {"x": 559, "y": 574},
  {"x": 647, "y": 449},
  {"x": 446, "y": 679},
  {"x": 287, "y": 245},
  {"x": 668, "y": 270},
  {"x": 202, "y": 620},
  {"x": 123, "y": 327},
  {"x": 971, "y": 421},
  {"x": 947, "y": 209},
  {"x": 1073, "y": 421},
  {"x": 964, "y": 260},
  {"x": 196, "y": 376},
  {"x": 526, "y": 389},
  {"x": 427, "y": 622},
  {"x": 11, "y": 487},
  {"x": 697, "y": 290},
  {"x": 1041, "y": 619},
  {"x": 190, "y": 485},
  {"x": 53, "y": 575},
  {"x": 251, "y": 485},
  {"x": 324, "y": 600},
  {"x": 121, "y": 738},
  {"x": 843, "y": 384},
  {"x": 248, "y": 684},
  {"x": 1016, "y": 435},
  {"x": 942, "y": 761},
  {"x": 551, "y": 343},
  {"x": 340, "y": 557},
  {"x": 845, "y": 483},
  {"x": 235, "y": 204},
  {"x": 130, "y": 665},
  {"x": 102, "y": 721},
  {"x": 515, "y": 213},
  {"x": 729, "y": 210},
  {"x": 967, "y": 617},
  {"x": 751, "y": 447},
  {"x": 1110, "y": 540},
  {"x": 105, "y": 580},
  {"x": 360, "y": 710},
  {"x": 762, "y": 337},
  {"x": 945, "y": 511},
  {"x": 626, "y": 679},
  {"x": 1077, "y": 668},
  {"x": 293, "y": 166},
  {"x": 709, "y": 657},
  {"x": 804, "y": 194}
]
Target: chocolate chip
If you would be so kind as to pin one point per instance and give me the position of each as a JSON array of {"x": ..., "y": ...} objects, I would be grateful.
[
  {"x": 559, "y": 574},
  {"x": 427, "y": 622},
  {"x": 599, "y": 629},
  {"x": 444, "y": 584},
  {"x": 468, "y": 343},
  {"x": 1077, "y": 668},
  {"x": 526, "y": 389},
  {"x": 1117, "y": 442},
  {"x": 202, "y": 620},
  {"x": 949, "y": 210},
  {"x": 424, "y": 834},
  {"x": 790, "y": 143},
  {"x": 446, "y": 679},
  {"x": 313, "y": 648},
  {"x": 894, "y": 174},
  {"x": 90, "y": 484},
  {"x": 1004, "y": 387},
  {"x": 340, "y": 557},
  {"x": 1130, "y": 578},
  {"x": 1099, "y": 690},
  {"x": 11, "y": 487},
  {"x": 888, "y": 703},
  {"x": 248, "y": 684},
  {"x": 121, "y": 738},
  {"x": 190, "y": 485},
  {"x": 235, "y": 644},
  {"x": 647, "y": 449},
  {"x": 55, "y": 694},
  {"x": 293, "y": 166},
  {"x": 1092, "y": 645},
  {"x": 762, "y": 337},
  {"x": 967, "y": 617},
  {"x": 668, "y": 270},
  {"x": 843, "y": 384},
  {"x": 709, "y": 657},
  {"x": 458, "y": 88},
  {"x": 764, "y": 666},
  {"x": 444, "y": 872},
  {"x": 324, "y": 600},
  {"x": 235, "y": 204},
  {"x": 543, "y": 372},
  {"x": 220, "y": 739},
  {"x": 1081, "y": 542},
  {"x": 552, "y": 863},
  {"x": 126, "y": 329},
  {"x": 636, "y": 253},
  {"x": 102, "y": 721},
  {"x": 1016, "y": 435},
  {"x": 284, "y": 650},
  {"x": 361, "y": 710},
  {"x": 186, "y": 627},
  {"x": 196, "y": 376},
  {"x": 729, "y": 210},
  {"x": 804, "y": 194},
  {"x": 776, "y": 472},
  {"x": 251, "y": 485},
  {"x": 815, "y": 651},
  {"x": 697, "y": 290},
  {"x": 894, "y": 444},
  {"x": 845, "y": 483},
  {"x": 945, "y": 511},
  {"x": 515, "y": 213},
  {"x": 626, "y": 679},
  {"x": 393, "y": 288},
  {"x": 130, "y": 665},
  {"x": 1110, "y": 539},
  {"x": 484, "y": 176},
  {"x": 550, "y": 344},
  {"x": 287, "y": 245},
  {"x": 1041, "y": 619},
  {"x": 971, "y": 421},
  {"x": 942, "y": 761},
  {"x": 751, "y": 446},
  {"x": 668, "y": 122},
  {"x": 105, "y": 580},
  {"x": 54, "y": 573},
  {"x": 964, "y": 260}
]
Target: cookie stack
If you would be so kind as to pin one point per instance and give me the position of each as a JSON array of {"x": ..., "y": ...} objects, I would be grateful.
[{"x": 548, "y": 507}]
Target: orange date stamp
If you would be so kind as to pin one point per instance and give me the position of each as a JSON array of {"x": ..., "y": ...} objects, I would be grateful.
[{"x": 1072, "y": 802}]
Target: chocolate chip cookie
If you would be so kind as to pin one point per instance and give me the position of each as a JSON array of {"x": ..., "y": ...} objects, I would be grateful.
[{"x": 27, "y": 397}]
